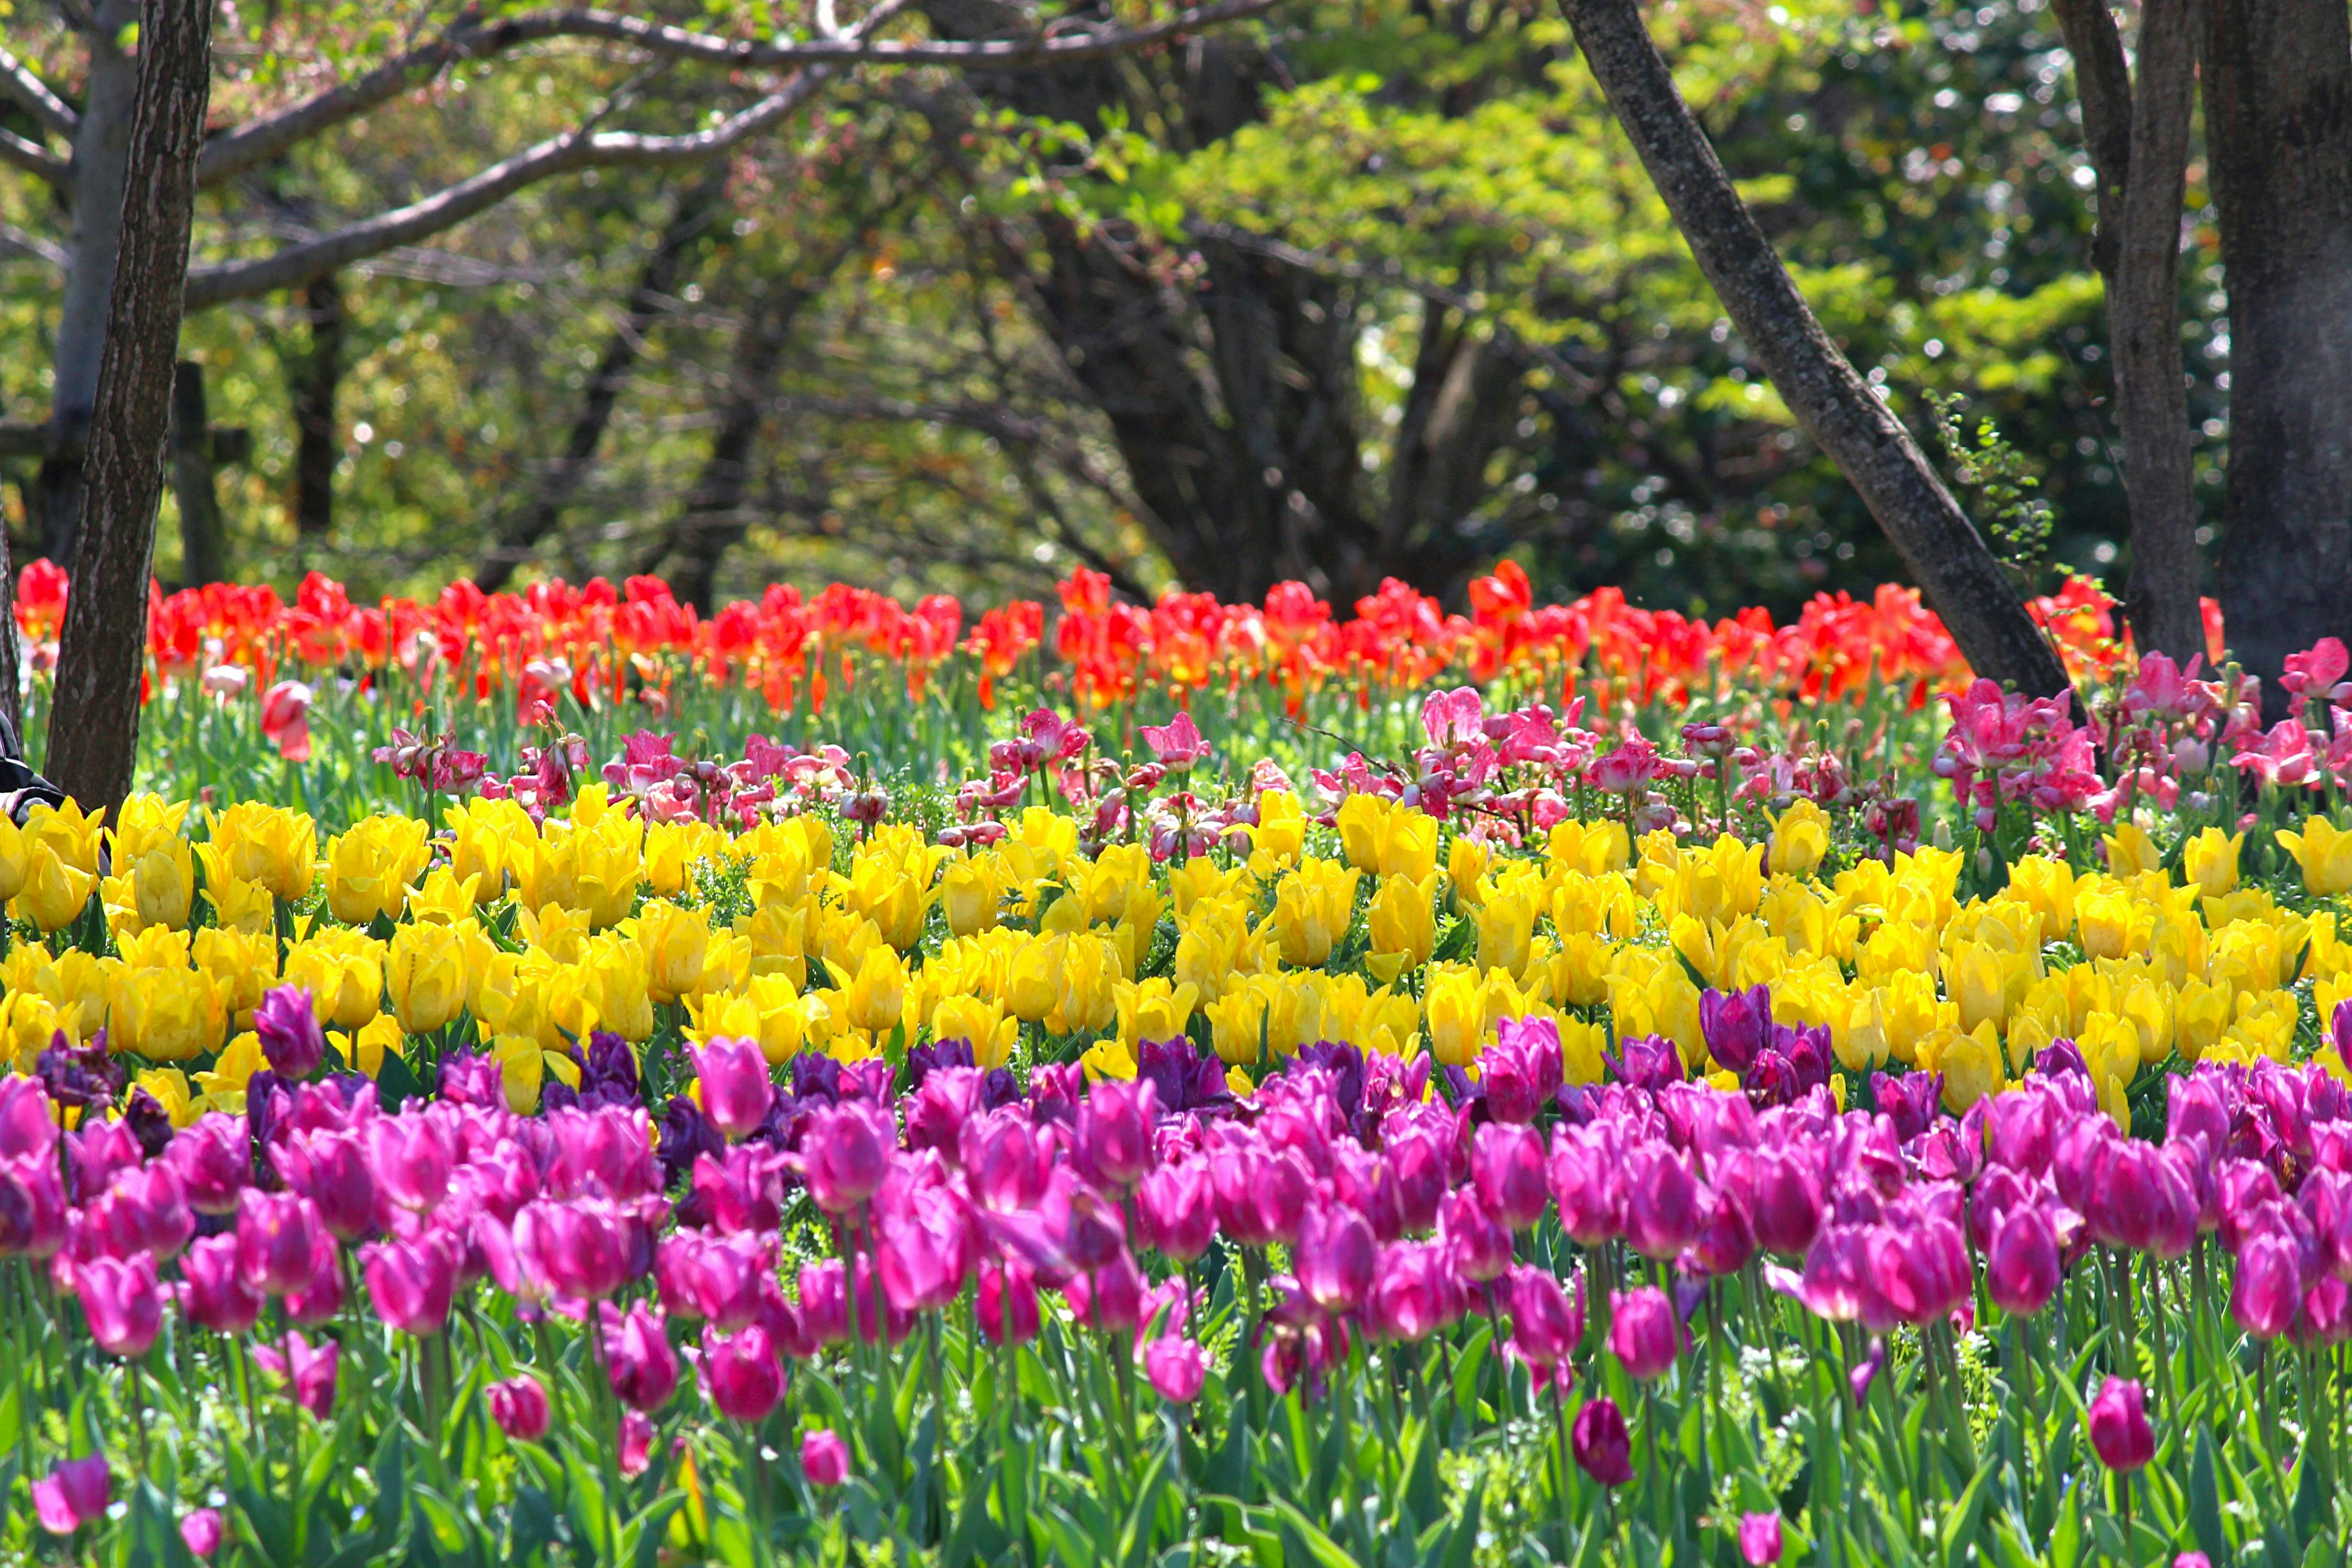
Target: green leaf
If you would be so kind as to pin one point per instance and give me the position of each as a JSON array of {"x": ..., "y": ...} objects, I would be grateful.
[
  {"x": 2205, "y": 1499},
  {"x": 1320, "y": 1548},
  {"x": 1960, "y": 1523}
]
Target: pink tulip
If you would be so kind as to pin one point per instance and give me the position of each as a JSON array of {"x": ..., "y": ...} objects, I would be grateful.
[
  {"x": 520, "y": 1408},
  {"x": 717, "y": 1279},
  {"x": 1546, "y": 1325},
  {"x": 276, "y": 1235},
  {"x": 217, "y": 1295},
  {"x": 1336, "y": 1257},
  {"x": 581, "y": 1251},
  {"x": 1112, "y": 1143},
  {"x": 1643, "y": 1332},
  {"x": 73, "y": 1494},
  {"x": 1603, "y": 1449},
  {"x": 214, "y": 1159},
  {"x": 2022, "y": 1265},
  {"x": 1665, "y": 1210},
  {"x": 1759, "y": 1539},
  {"x": 736, "y": 1088},
  {"x": 27, "y": 1128},
  {"x": 927, "y": 1245},
  {"x": 411, "y": 1154},
  {"x": 1507, "y": 1165},
  {"x": 321, "y": 1298},
  {"x": 1177, "y": 1366},
  {"x": 32, "y": 1211},
  {"x": 120, "y": 1300},
  {"x": 1176, "y": 1209},
  {"x": 844, "y": 1154},
  {"x": 1521, "y": 1070},
  {"x": 1004, "y": 1161},
  {"x": 825, "y": 1458},
  {"x": 635, "y": 1443},
  {"x": 1588, "y": 1178},
  {"x": 1007, "y": 1304},
  {"x": 331, "y": 1170},
  {"x": 286, "y": 719},
  {"x": 201, "y": 1531},
  {"x": 1416, "y": 1292},
  {"x": 742, "y": 1374},
  {"x": 146, "y": 1210},
  {"x": 1176, "y": 745},
  {"x": 308, "y": 1371},
  {"x": 411, "y": 1283},
  {"x": 2120, "y": 1433},
  {"x": 1481, "y": 1249}
]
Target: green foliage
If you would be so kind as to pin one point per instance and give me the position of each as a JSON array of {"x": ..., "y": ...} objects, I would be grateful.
[{"x": 2017, "y": 520}]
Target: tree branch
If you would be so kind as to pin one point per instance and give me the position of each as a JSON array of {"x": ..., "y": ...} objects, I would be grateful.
[
  {"x": 259, "y": 139},
  {"x": 33, "y": 158},
  {"x": 17, "y": 80},
  {"x": 2103, "y": 86},
  {"x": 13, "y": 238}
]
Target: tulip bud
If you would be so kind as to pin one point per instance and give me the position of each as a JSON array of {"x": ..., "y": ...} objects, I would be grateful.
[
  {"x": 736, "y": 1090},
  {"x": 520, "y": 1406},
  {"x": 1177, "y": 1367},
  {"x": 290, "y": 1036},
  {"x": 73, "y": 1494},
  {"x": 1759, "y": 1539},
  {"x": 201, "y": 1532},
  {"x": 742, "y": 1374},
  {"x": 2118, "y": 1421},
  {"x": 1603, "y": 1448},
  {"x": 1643, "y": 1332},
  {"x": 825, "y": 1458}
]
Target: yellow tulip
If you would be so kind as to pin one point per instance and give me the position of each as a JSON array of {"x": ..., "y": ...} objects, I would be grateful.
[
  {"x": 1154, "y": 1009},
  {"x": 1237, "y": 1024},
  {"x": 1505, "y": 916},
  {"x": 1402, "y": 921},
  {"x": 2131, "y": 852},
  {"x": 2211, "y": 860},
  {"x": 55, "y": 893},
  {"x": 166, "y": 1014},
  {"x": 1986, "y": 983},
  {"x": 2200, "y": 1013},
  {"x": 364, "y": 1049},
  {"x": 270, "y": 844},
  {"x": 1453, "y": 1004},
  {"x": 1085, "y": 999},
  {"x": 623, "y": 987},
  {"x": 1465, "y": 868},
  {"x": 1213, "y": 948},
  {"x": 1387, "y": 839},
  {"x": 223, "y": 1084},
  {"x": 343, "y": 970},
  {"x": 1313, "y": 907},
  {"x": 1910, "y": 1010},
  {"x": 1969, "y": 1061},
  {"x": 163, "y": 884},
  {"x": 1800, "y": 839},
  {"x": 15, "y": 860},
  {"x": 874, "y": 997},
  {"x": 2324, "y": 853},
  {"x": 1198, "y": 879},
  {"x": 74, "y": 835},
  {"x": 522, "y": 1069},
  {"x": 675, "y": 941},
  {"x": 777, "y": 937},
  {"x": 1280, "y": 834},
  {"x": 991, "y": 1032},
  {"x": 425, "y": 971},
  {"x": 29, "y": 1023},
  {"x": 1588, "y": 848},
  {"x": 1582, "y": 1045},
  {"x": 168, "y": 1087},
  {"x": 2047, "y": 885},
  {"x": 243, "y": 964},
  {"x": 969, "y": 892}
]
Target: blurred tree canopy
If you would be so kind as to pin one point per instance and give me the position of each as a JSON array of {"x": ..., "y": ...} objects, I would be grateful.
[{"x": 1347, "y": 290}]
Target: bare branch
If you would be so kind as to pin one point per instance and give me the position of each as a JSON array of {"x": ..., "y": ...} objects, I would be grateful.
[
  {"x": 17, "y": 80},
  {"x": 17, "y": 240},
  {"x": 33, "y": 158},
  {"x": 263, "y": 138}
]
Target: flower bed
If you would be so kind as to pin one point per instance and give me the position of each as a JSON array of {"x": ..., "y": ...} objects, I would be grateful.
[{"x": 1534, "y": 1140}]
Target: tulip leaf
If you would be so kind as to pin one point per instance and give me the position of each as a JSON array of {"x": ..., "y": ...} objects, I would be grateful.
[
  {"x": 1320, "y": 1548},
  {"x": 2311, "y": 1500},
  {"x": 1960, "y": 1522},
  {"x": 2205, "y": 1500}
]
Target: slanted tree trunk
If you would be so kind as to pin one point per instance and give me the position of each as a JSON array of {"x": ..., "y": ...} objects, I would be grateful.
[
  {"x": 317, "y": 375},
  {"x": 2278, "y": 129},
  {"x": 1837, "y": 406},
  {"x": 666, "y": 267},
  {"x": 2139, "y": 138},
  {"x": 94, "y": 727},
  {"x": 101, "y": 147}
]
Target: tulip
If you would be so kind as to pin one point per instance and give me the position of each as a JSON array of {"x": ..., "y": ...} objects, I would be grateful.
[
  {"x": 1177, "y": 1366},
  {"x": 412, "y": 1282},
  {"x": 331, "y": 1170},
  {"x": 1506, "y": 1163},
  {"x": 1759, "y": 1539},
  {"x": 1336, "y": 1257},
  {"x": 217, "y": 1293},
  {"x": 1521, "y": 1071},
  {"x": 1007, "y": 1304},
  {"x": 845, "y": 1153},
  {"x": 520, "y": 1406},
  {"x": 308, "y": 1369},
  {"x": 276, "y": 1235},
  {"x": 1603, "y": 1447},
  {"x": 1480, "y": 1249},
  {"x": 583, "y": 1249},
  {"x": 1175, "y": 1209},
  {"x": 320, "y": 1298},
  {"x": 1644, "y": 1331},
  {"x": 825, "y": 1458},
  {"x": 2269, "y": 1285},
  {"x": 214, "y": 1159},
  {"x": 2120, "y": 1433},
  {"x": 2022, "y": 1266},
  {"x": 742, "y": 1374},
  {"x": 736, "y": 1090},
  {"x": 637, "y": 1357},
  {"x": 201, "y": 1532},
  {"x": 74, "y": 1493},
  {"x": 1546, "y": 1325},
  {"x": 1111, "y": 1141},
  {"x": 1665, "y": 1210},
  {"x": 411, "y": 1155},
  {"x": 1735, "y": 1026},
  {"x": 1587, "y": 1177},
  {"x": 926, "y": 1246},
  {"x": 290, "y": 1036},
  {"x": 123, "y": 1302},
  {"x": 635, "y": 1443}
]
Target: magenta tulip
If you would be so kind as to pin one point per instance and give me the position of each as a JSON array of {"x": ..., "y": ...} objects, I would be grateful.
[
  {"x": 742, "y": 1374},
  {"x": 306, "y": 1370},
  {"x": 2120, "y": 1433},
  {"x": 1643, "y": 1332},
  {"x": 1176, "y": 1209},
  {"x": 639, "y": 1360},
  {"x": 411, "y": 1283},
  {"x": 276, "y": 1235},
  {"x": 844, "y": 1153},
  {"x": 2022, "y": 1266},
  {"x": 825, "y": 1458},
  {"x": 520, "y": 1406},
  {"x": 1335, "y": 1258},
  {"x": 214, "y": 1159},
  {"x": 1603, "y": 1447},
  {"x": 736, "y": 1088},
  {"x": 1547, "y": 1325},
  {"x": 1665, "y": 1210},
  {"x": 74, "y": 1493},
  {"x": 1177, "y": 1366},
  {"x": 1111, "y": 1138},
  {"x": 1007, "y": 1304},
  {"x": 1759, "y": 1539},
  {"x": 216, "y": 1294},
  {"x": 411, "y": 1155},
  {"x": 201, "y": 1532},
  {"x": 332, "y": 1170},
  {"x": 123, "y": 1302},
  {"x": 1507, "y": 1166},
  {"x": 291, "y": 1036}
]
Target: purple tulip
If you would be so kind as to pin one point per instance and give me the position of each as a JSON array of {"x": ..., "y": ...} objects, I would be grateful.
[
  {"x": 123, "y": 1302},
  {"x": 290, "y": 1036},
  {"x": 411, "y": 1283},
  {"x": 214, "y": 1159},
  {"x": 1176, "y": 1209},
  {"x": 2269, "y": 1285},
  {"x": 742, "y": 1374},
  {"x": 1587, "y": 1177},
  {"x": 1522, "y": 1071},
  {"x": 1416, "y": 1292},
  {"x": 1644, "y": 1331},
  {"x": 736, "y": 1088},
  {"x": 1480, "y": 1249},
  {"x": 520, "y": 1406},
  {"x": 1603, "y": 1447},
  {"x": 411, "y": 1155},
  {"x": 73, "y": 1494},
  {"x": 2022, "y": 1268},
  {"x": 1736, "y": 1025},
  {"x": 1336, "y": 1257},
  {"x": 1647, "y": 1062},
  {"x": 825, "y": 1458},
  {"x": 1922, "y": 1269},
  {"x": 2120, "y": 1433},
  {"x": 1177, "y": 1366},
  {"x": 1111, "y": 1141},
  {"x": 217, "y": 1295},
  {"x": 637, "y": 1357}
]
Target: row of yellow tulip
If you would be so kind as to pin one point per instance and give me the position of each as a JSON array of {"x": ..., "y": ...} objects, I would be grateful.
[{"x": 1385, "y": 932}]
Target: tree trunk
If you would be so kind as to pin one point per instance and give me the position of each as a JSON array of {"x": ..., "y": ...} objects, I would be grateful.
[
  {"x": 1838, "y": 409},
  {"x": 203, "y": 548},
  {"x": 670, "y": 263},
  {"x": 94, "y": 728},
  {"x": 2138, "y": 137},
  {"x": 2278, "y": 129},
  {"x": 319, "y": 447},
  {"x": 101, "y": 148}
]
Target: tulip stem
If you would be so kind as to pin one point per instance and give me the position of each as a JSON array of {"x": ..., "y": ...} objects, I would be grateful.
[
  {"x": 1560, "y": 1421},
  {"x": 2156, "y": 1335}
]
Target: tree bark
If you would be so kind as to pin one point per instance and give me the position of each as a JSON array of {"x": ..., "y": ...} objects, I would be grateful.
[
  {"x": 203, "y": 549},
  {"x": 101, "y": 149},
  {"x": 318, "y": 445},
  {"x": 670, "y": 263},
  {"x": 94, "y": 727},
  {"x": 2278, "y": 129},
  {"x": 1837, "y": 408},
  {"x": 2138, "y": 138}
]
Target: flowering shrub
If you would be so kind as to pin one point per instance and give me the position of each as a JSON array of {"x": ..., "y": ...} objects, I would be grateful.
[{"x": 1543, "y": 1139}]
